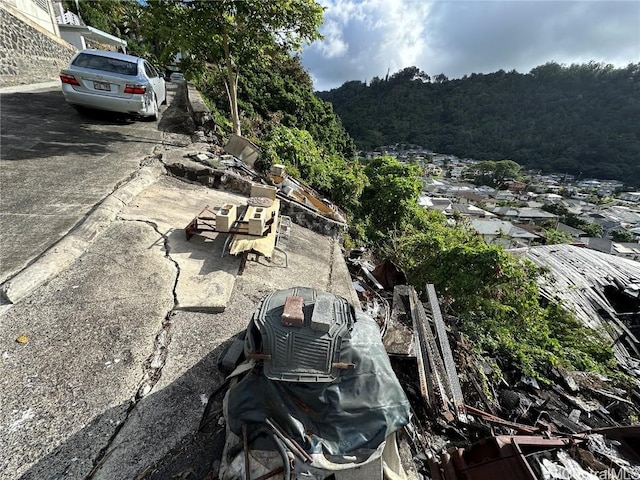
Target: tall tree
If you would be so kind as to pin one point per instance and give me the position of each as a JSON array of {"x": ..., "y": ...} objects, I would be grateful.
[
  {"x": 231, "y": 35},
  {"x": 391, "y": 198}
]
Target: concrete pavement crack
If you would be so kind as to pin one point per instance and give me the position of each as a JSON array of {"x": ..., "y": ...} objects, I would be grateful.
[
  {"x": 152, "y": 367},
  {"x": 154, "y": 364},
  {"x": 331, "y": 260}
]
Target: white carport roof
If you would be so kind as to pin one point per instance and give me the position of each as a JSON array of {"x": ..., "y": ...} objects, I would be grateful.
[{"x": 94, "y": 34}]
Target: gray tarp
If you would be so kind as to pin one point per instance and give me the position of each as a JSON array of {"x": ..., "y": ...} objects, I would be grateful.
[{"x": 351, "y": 415}]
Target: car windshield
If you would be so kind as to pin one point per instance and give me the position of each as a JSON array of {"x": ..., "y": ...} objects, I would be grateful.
[{"x": 106, "y": 64}]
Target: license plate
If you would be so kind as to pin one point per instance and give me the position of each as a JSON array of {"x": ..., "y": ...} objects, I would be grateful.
[{"x": 102, "y": 86}]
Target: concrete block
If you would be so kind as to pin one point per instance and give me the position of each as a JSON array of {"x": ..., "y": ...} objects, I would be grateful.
[
  {"x": 293, "y": 316},
  {"x": 268, "y": 191},
  {"x": 322, "y": 316},
  {"x": 232, "y": 356},
  {"x": 278, "y": 169},
  {"x": 257, "y": 222},
  {"x": 226, "y": 217}
]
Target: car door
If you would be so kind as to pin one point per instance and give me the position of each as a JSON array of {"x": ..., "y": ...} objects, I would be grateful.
[{"x": 157, "y": 82}]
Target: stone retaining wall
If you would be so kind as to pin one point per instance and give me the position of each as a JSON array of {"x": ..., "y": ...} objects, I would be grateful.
[{"x": 28, "y": 53}]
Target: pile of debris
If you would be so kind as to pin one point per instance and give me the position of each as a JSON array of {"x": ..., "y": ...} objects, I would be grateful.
[
  {"x": 460, "y": 419},
  {"x": 312, "y": 393},
  {"x": 318, "y": 389}
]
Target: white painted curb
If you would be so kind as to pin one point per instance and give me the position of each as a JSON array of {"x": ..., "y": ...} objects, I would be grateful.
[{"x": 75, "y": 243}]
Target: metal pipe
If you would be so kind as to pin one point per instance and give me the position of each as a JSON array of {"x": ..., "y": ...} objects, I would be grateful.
[
  {"x": 294, "y": 446},
  {"x": 285, "y": 458},
  {"x": 245, "y": 443}
]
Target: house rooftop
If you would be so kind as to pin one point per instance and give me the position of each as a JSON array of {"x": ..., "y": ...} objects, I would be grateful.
[{"x": 496, "y": 227}]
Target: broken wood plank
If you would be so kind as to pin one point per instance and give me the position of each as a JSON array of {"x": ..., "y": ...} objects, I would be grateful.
[
  {"x": 399, "y": 335},
  {"x": 435, "y": 372},
  {"x": 453, "y": 381}
]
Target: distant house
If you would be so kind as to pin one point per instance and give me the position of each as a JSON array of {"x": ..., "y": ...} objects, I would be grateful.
[
  {"x": 516, "y": 186},
  {"x": 630, "y": 196},
  {"x": 467, "y": 196},
  {"x": 431, "y": 186},
  {"x": 508, "y": 213},
  {"x": 535, "y": 216},
  {"x": 575, "y": 233},
  {"x": 614, "y": 218},
  {"x": 432, "y": 170},
  {"x": 619, "y": 249},
  {"x": 504, "y": 195},
  {"x": 626, "y": 250},
  {"x": 468, "y": 210},
  {"x": 442, "y": 205},
  {"x": 451, "y": 191},
  {"x": 577, "y": 207},
  {"x": 580, "y": 195},
  {"x": 554, "y": 188},
  {"x": 551, "y": 197},
  {"x": 485, "y": 190},
  {"x": 589, "y": 184},
  {"x": 532, "y": 216},
  {"x": 500, "y": 232}
]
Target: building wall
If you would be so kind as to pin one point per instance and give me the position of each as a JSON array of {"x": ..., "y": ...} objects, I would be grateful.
[
  {"x": 29, "y": 53},
  {"x": 74, "y": 38},
  {"x": 39, "y": 12}
]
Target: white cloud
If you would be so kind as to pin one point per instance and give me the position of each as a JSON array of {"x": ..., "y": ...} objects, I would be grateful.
[
  {"x": 367, "y": 38},
  {"x": 333, "y": 45}
]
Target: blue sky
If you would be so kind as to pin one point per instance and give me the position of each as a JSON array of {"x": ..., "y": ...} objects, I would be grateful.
[{"x": 367, "y": 38}]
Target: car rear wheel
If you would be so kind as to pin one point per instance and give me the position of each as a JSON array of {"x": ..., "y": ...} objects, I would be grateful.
[{"x": 154, "y": 115}]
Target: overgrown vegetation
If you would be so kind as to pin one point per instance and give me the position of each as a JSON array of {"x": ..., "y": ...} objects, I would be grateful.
[
  {"x": 556, "y": 118},
  {"x": 495, "y": 294},
  {"x": 294, "y": 127}
]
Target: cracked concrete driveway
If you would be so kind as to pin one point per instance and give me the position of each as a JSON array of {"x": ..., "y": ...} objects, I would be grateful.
[
  {"x": 55, "y": 165},
  {"x": 115, "y": 377},
  {"x": 118, "y": 350}
]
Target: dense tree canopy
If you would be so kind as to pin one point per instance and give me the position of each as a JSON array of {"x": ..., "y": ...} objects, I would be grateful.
[
  {"x": 495, "y": 174},
  {"x": 122, "y": 18},
  {"x": 232, "y": 35},
  {"x": 390, "y": 200},
  {"x": 578, "y": 119}
]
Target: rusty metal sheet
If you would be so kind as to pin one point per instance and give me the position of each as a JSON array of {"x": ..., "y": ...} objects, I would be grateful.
[{"x": 242, "y": 149}]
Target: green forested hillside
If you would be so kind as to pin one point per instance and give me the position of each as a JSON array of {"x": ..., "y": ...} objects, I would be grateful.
[{"x": 576, "y": 119}]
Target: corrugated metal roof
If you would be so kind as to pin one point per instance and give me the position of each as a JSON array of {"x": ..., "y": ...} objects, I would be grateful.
[{"x": 579, "y": 277}]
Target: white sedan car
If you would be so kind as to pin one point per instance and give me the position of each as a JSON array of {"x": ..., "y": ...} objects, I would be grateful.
[{"x": 114, "y": 82}]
